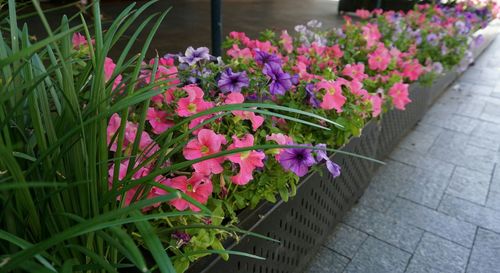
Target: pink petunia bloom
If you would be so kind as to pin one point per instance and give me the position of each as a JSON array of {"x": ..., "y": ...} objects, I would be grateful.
[
  {"x": 400, "y": 95},
  {"x": 236, "y": 53},
  {"x": 356, "y": 88},
  {"x": 376, "y": 105},
  {"x": 113, "y": 126},
  {"x": 158, "y": 120},
  {"x": 247, "y": 161},
  {"x": 109, "y": 69},
  {"x": 197, "y": 187},
  {"x": 371, "y": 34},
  {"x": 122, "y": 172},
  {"x": 194, "y": 103},
  {"x": 363, "y": 13},
  {"x": 146, "y": 143},
  {"x": 236, "y": 98},
  {"x": 287, "y": 41},
  {"x": 412, "y": 70},
  {"x": 281, "y": 139},
  {"x": 333, "y": 98},
  {"x": 355, "y": 71},
  {"x": 78, "y": 40},
  {"x": 379, "y": 59},
  {"x": 206, "y": 143},
  {"x": 166, "y": 71}
]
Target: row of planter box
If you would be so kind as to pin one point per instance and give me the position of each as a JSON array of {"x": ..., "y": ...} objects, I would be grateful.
[{"x": 304, "y": 222}]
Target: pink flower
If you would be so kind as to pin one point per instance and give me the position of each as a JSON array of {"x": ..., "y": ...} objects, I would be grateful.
[
  {"x": 122, "y": 172},
  {"x": 371, "y": 34},
  {"x": 287, "y": 41},
  {"x": 247, "y": 161},
  {"x": 355, "y": 71},
  {"x": 197, "y": 187},
  {"x": 236, "y": 98},
  {"x": 376, "y": 105},
  {"x": 79, "y": 40},
  {"x": 281, "y": 139},
  {"x": 207, "y": 143},
  {"x": 109, "y": 69},
  {"x": 333, "y": 98},
  {"x": 412, "y": 70},
  {"x": 363, "y": 13},
  {"x": 400, "y": 95},
  {"x": 356, "y": 88},
  {"x": 379, "y": 59},
  {"x": 146, "y": 143},
  {"x": 113, "y": 126},
  {"x": 235, "y": 52},
  {"x": 158, "y": 120},
  {"x": 166, "y": 71},
  {"x": 194, "y": 103}
]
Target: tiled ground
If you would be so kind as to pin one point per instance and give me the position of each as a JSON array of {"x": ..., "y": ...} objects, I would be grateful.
[{"x": 435, "y": 206}]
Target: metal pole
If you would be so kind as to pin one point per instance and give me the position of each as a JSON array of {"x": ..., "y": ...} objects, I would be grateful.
[
  {"x": 379, "y": 4},
  {"x": 216, "y": 6}
]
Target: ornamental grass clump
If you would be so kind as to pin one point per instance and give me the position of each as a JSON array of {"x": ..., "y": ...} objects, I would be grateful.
[{"x": 111, "y": 164}]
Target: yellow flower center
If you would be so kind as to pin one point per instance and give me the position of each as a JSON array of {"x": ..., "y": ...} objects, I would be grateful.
[
  {"x": 204, "y": 149},
  {"x": 244, "y": 155},
  {"x": 192, "y": 107}
]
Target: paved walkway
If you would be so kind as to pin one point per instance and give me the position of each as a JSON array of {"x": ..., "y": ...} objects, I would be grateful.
[{"x": 435, "y": 206}]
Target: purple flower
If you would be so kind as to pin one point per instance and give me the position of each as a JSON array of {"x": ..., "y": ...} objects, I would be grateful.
[
  {"x": 192, "y": 56},
  {"x": 182, "y": 237},
  {"x": 280, "y": 81},
  {"x": 233, "y": 81},
  {"x": 263, "y": 58},
  {"x": 433, "y": 39},
  {"x": 332, "y": 167},
  {"x": 437, "y": 67},
  {"x": 297, "y": 160},
  {"x": 311, "y": 95},
  {"x": 314, "y": 24}
]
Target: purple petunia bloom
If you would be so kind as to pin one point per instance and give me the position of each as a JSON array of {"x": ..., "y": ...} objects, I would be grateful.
[
  {"x": 432, "y": 39},
  {"x": 233, "y": 81},
  {"x": 192, "y": 56},
  {"x": 437, "y": 67},
  {"x": 311, "y": 95},
  {"x": 297, "y": 160},
  {"x": 280, "y": 81},
  {"x": 332, "y": 167},
  {"x": 263, "y": 58},
  {"x": 182, "y": 237}
]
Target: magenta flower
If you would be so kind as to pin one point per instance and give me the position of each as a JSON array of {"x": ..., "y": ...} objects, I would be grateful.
[
  {"x": 247, "y": 161},
  {"x": 280, "y": 81},
  {"x": 400, "y": 95},
  {"x": 297, "y": 160},
  {"x": 207, "y": 143},
  {"x": 197, "y": 187},
  {"x": 194, "y": 103},
  {"x": 355, "y": 71},
  {"x": 233, "y": 81}
]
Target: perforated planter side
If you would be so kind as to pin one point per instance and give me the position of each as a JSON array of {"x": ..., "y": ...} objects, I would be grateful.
[
  {"x": 302, "y": 223},
  {"x": 396, "y": 123},
  {"x": 441, "y": 84}
]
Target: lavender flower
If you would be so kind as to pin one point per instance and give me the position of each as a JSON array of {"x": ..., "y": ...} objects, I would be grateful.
[
  {"x": 432, "y": 39},
  {"x": 280, "y": 81},
  {"x": 192, "y": 56},
  {"x": 437, "y": 67},
  {"x": 311, "y": 95},
  {"x": 314, "y": 24},
  {"x": 263, "y": 58},
  {"x": 297, "y": 160},
  {"x": 233, "y": 81},
  {"x": 332, "y": 167}
]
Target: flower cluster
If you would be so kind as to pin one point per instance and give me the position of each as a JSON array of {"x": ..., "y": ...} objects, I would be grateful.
[{"x": 348, "y": 76}]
